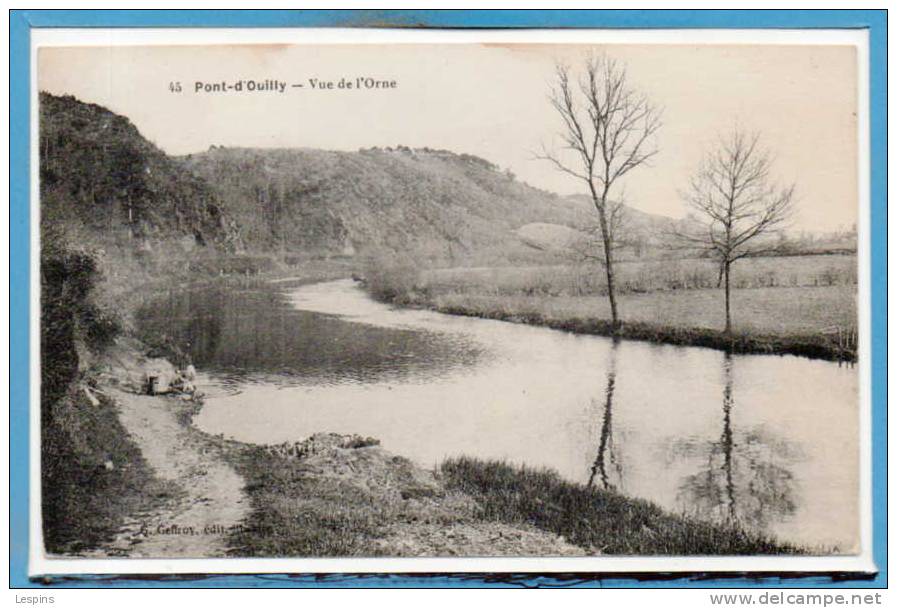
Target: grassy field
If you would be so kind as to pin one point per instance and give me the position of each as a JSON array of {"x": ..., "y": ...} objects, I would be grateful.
[
  {"x": 642, "y": 276},
  {"x": 769, "y": 310},
  {"x": 803, "y": 305}
]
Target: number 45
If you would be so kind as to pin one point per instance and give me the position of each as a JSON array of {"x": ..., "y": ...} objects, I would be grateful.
[{"x": 174, "y": 87}]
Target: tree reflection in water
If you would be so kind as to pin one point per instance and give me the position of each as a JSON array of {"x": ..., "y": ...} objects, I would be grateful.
[
  {"x": 745, "y": 478},
  {"x": 607, "y": 454}
]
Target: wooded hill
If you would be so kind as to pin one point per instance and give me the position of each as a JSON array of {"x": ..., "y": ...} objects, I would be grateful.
[
  {"x": 434, "y": 204},
  {"x": 103, "y": 183}
]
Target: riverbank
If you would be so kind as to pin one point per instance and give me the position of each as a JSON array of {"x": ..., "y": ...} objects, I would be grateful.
[
  {"x": 346, "y": 496},
  {"x": 351, "y": 497},
  {"x": 782, "y": 321},
  {"x": 601, "y": 521}
]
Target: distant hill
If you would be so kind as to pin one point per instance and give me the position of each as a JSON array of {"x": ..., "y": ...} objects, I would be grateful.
[
  {"x": 103, "y": 183},
  {"x": 437, "y": 204}
]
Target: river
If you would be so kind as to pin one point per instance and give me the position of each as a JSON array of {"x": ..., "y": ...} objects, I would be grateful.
[{"x": 768, "y": 441}]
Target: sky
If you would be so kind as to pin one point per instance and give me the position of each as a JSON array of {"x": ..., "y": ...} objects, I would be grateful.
[{"x": 492, "y": 101}]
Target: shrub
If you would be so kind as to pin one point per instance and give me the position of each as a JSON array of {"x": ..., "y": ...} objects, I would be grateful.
[{"x": 392, "y": 277}]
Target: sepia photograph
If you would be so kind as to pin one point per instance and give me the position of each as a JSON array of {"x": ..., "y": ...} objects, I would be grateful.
[{"x": 498, "y": 299}]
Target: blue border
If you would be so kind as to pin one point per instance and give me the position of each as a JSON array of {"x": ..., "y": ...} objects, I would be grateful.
[{"x": 21, "y": 22}]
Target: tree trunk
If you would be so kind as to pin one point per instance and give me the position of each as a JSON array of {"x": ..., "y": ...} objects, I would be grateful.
[
  {"x": 728, "y": 306},
  {"x": 611, "y": 288},
  {"x": 600, "y": 202}
]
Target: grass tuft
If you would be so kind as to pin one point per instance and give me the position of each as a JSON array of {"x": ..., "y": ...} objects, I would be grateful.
[{"x": 600, "y": 521}]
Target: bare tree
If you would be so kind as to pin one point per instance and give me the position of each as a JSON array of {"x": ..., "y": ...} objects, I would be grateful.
[
  {"x": 608, "y": 130},
  {"x": 739, "y": 203}
]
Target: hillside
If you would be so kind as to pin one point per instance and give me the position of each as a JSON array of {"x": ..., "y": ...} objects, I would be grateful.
[
  {"x": 433, "y": 204},
  {"x": 103, "y": 184}
]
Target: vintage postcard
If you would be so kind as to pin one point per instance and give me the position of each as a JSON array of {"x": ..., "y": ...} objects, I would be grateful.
[{"x": 370, "y": 301}]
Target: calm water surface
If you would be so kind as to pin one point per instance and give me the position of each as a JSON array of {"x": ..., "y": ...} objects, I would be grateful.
[{"x": 768, "y": 441}]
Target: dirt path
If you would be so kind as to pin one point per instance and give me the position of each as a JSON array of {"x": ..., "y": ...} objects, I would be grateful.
[{"x": 210, "y": 497}]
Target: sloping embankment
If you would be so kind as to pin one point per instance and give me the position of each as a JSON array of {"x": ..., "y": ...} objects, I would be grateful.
[
  {"x": 326, "y": 496},
  {"x": 336, "y": 495}
]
